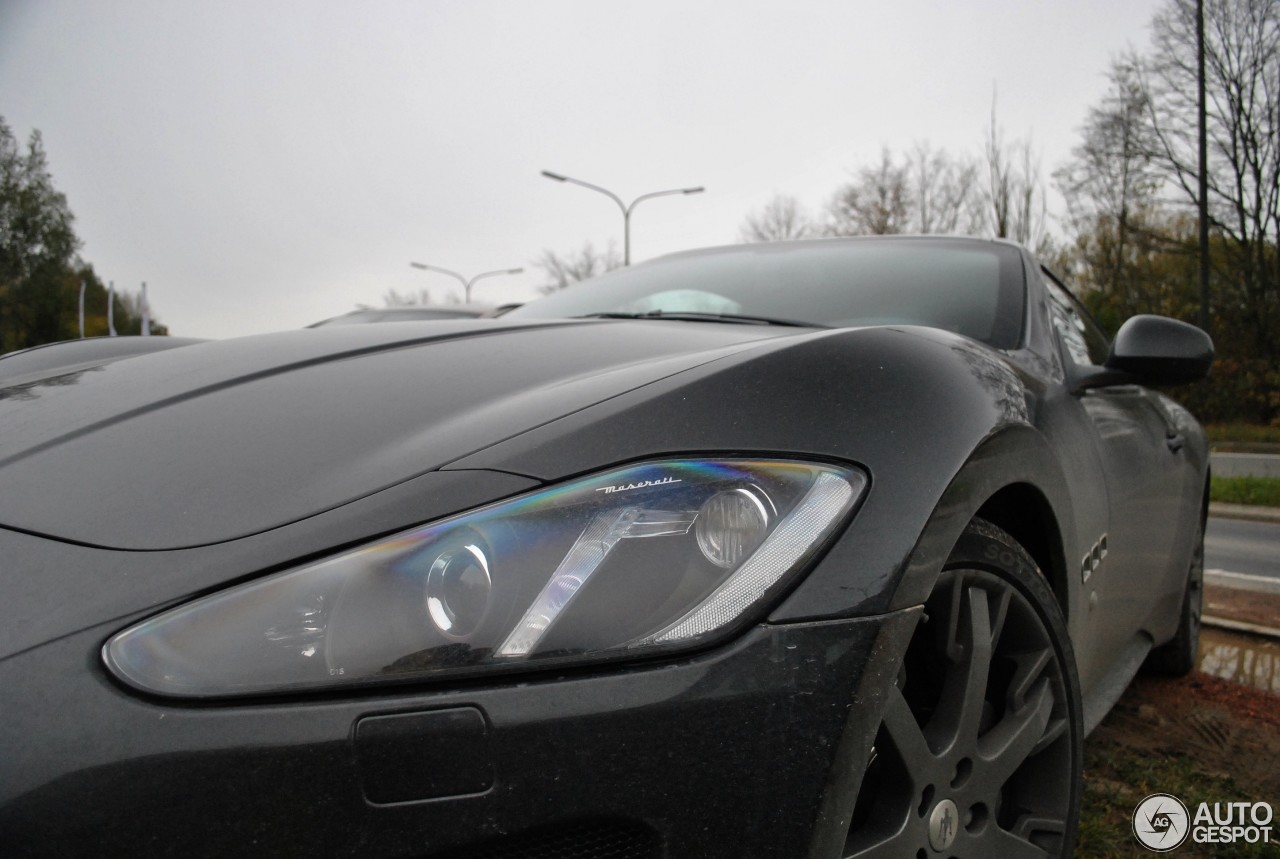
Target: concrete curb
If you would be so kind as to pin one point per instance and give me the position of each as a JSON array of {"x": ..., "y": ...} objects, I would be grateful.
[
  {"x": 1266, "y": 448},
  {"x": 1223, "y": 510},
  {"x": 1262, "y": 586},
  {"x": 1240, "y": 626},
  {"x": 1242, "y": 581}
]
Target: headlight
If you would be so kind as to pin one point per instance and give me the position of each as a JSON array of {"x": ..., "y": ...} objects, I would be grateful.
[{"x": 648, "y": 558}]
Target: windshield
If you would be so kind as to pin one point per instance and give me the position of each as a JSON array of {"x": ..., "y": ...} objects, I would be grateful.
[
  {"x": 971, "y": 288},
  {"x": 358, "y": 317}
]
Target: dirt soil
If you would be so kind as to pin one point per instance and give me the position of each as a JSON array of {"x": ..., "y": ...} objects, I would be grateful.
[
  {"x": 1200, "y": 738},
  {"x": 1230, "y": 730}
]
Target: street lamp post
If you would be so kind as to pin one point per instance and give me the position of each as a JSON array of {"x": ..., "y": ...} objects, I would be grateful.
[
  {"x": 626, "y": 209},
  {"x": 466, "y": 284}
]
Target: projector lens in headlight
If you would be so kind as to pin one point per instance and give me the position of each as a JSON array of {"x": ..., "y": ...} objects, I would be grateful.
[
  {"x": 458, "y": 589},
  {"x": 652, "y": 557},
  {"x": 732, "y": 524}
]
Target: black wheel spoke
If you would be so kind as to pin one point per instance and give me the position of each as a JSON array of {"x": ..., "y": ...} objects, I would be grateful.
[
  {"x": 900, "y": 842},
  {"x": 960, "y": 710},
  {"x": 1029, "y": 824},
  {"x": 896, "y": 829},
  {"x": 1007, "y": 845},
  {"x": 1057, "y": 727},
  {"x": 1006, "y": 746},
  {"x": 1029, "y": 667},
  {"x": 907, "y": 738},
  {"x": 1001, "y": 614}
]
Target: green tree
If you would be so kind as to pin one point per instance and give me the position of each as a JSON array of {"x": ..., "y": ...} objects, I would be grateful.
[
  {"x": 40, "y": 273},
  {"x": 37, "y": 244}
]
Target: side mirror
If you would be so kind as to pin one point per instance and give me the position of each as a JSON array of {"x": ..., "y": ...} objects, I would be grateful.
[{"x": 1161, "y": 351}]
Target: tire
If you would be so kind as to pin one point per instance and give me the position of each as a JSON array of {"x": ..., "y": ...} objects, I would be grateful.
[
  {"x": 980, "y": 750},
  {"x": 1177, "y": 657}
]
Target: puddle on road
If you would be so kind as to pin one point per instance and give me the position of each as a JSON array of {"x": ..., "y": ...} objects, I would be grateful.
[{"x": 1245, "y": 659}]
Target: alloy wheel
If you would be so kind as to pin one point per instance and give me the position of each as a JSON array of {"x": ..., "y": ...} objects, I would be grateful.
[{"x": 978, "y": 751}]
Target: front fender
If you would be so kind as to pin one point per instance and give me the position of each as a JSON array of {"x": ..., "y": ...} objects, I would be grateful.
[
  {"x": 909, "y": 405},
  {"x": 1017, "y": 462}
]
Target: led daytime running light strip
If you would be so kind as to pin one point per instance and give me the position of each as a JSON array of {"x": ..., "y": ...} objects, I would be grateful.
[
  {"x": 779, "y": 553},
  {"x": 586, "y": 556}
]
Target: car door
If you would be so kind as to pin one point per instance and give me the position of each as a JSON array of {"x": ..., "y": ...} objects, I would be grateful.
[{"x": 1142, "y": 462}]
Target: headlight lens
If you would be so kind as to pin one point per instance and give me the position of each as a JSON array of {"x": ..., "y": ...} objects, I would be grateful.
[
  {"x": 732, "y": 524},
  {"x": 651, "y": 557}
]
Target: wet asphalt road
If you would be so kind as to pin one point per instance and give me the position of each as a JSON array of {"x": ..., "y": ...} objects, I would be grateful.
[{"x": 1240, "y": 546}]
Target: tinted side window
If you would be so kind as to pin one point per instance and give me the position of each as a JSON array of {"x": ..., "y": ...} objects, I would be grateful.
[{"x": 1080, "y": 335}]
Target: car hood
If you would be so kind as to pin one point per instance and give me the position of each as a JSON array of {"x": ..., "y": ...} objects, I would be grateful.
[{"x": 219, "y": 440}]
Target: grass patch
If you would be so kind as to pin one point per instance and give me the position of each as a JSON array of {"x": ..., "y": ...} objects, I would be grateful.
[
  {"x": 1118, "y": 777},
  {"x": 1242, "y": 434},
  {"x": 1262, "y": 491}
]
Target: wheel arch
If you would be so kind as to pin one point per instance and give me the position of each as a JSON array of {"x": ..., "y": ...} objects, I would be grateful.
[
  {"x": 1022, "y": 511},
  {"x": 1014, "y": 481}
]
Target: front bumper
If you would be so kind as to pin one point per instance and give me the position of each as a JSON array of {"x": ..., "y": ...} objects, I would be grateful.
[{"x": 752, "y": 749}]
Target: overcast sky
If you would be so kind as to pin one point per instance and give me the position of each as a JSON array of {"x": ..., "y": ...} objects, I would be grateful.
[{"x": 264, "y": 164}]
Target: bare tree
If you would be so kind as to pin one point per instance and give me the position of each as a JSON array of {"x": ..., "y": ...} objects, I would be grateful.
[
  {"x": 1242, "y": 87},
  {"x": 1110, "y": 186},
  {"x": 781, "y": 218},
  {"x": 393, "y": 298},
  {"x": 1112, "y": 171},
  {"x": 876, "y": 202},
  {"x": 1015, "y": 198},
  {"x": 574, "y": 266},
  {"x": 943, "y": 191},
  {"x": 926, "y": 191}
]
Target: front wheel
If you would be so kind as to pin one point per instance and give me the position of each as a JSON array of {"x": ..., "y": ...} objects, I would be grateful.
[{"x": 980, "y": 750}]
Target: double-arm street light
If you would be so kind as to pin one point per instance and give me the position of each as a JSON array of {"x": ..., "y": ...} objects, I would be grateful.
[
  {"x": 466, "y": 284},
  {"x": 626, "y": 209}
]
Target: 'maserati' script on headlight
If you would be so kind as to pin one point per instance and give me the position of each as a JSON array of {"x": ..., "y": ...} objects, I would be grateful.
[{"x": 608, "y": 490}]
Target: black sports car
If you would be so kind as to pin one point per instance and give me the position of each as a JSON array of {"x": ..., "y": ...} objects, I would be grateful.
[{"x": 815, "y": 549}]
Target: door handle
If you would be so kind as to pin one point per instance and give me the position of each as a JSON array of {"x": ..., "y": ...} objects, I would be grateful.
[{"x": 1175, "y": 441}]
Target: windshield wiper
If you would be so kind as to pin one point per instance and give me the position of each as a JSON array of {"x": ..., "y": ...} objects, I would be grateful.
[{"x": 692, "y": 316}]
